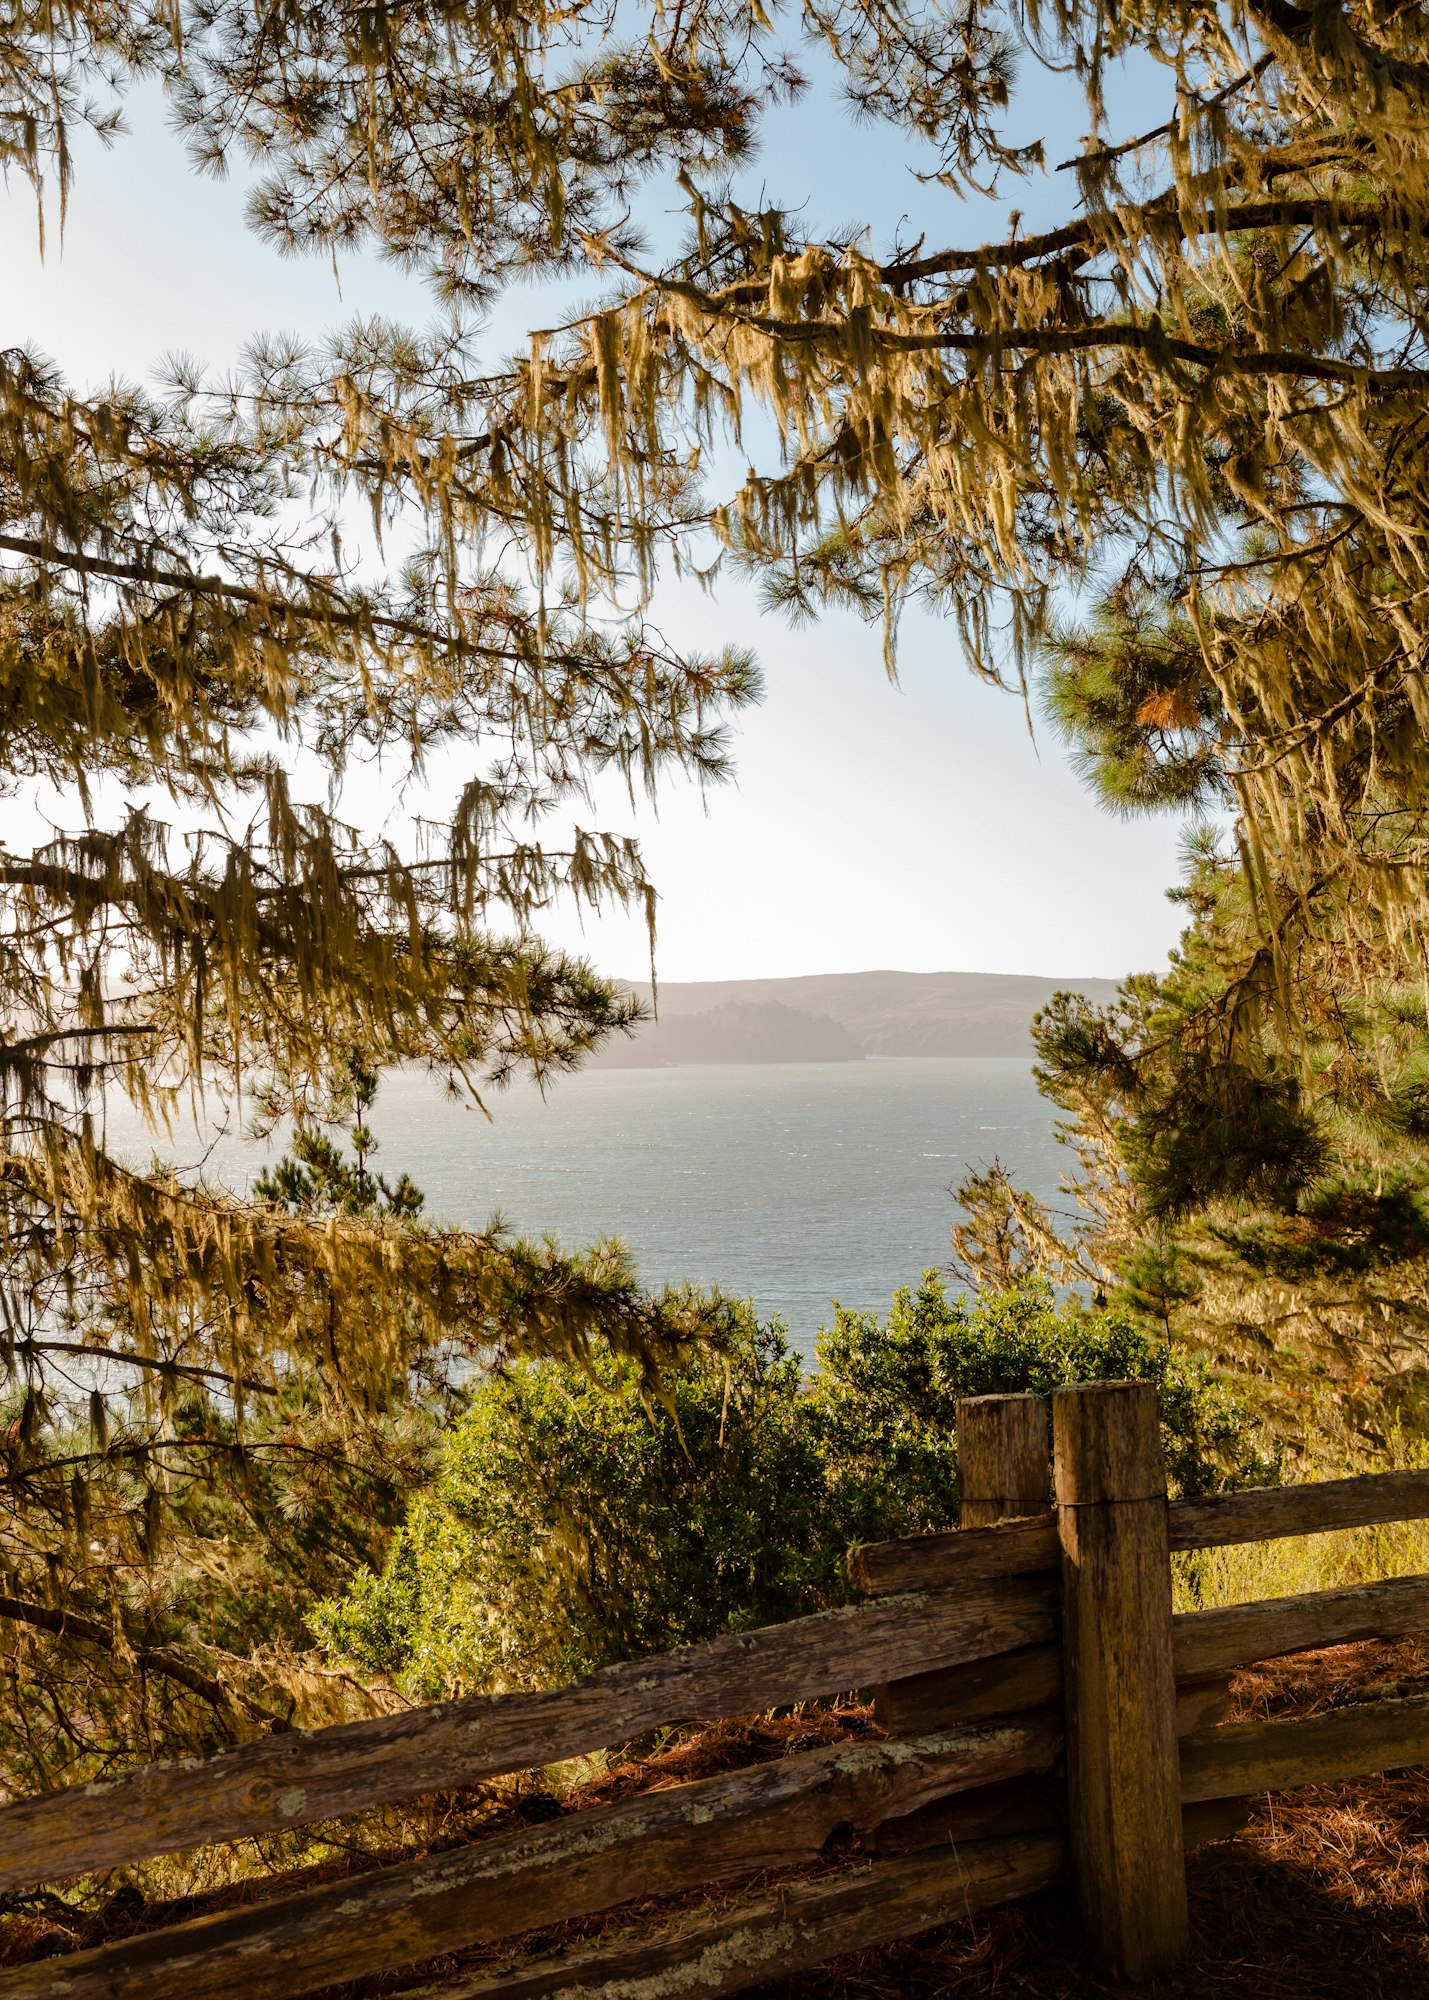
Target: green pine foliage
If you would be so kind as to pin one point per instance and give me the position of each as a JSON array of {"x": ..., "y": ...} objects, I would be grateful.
[
  {"x": 574, "y": 1520},
  {"x": 1253, "y": 1169},
  {"x": 315, "y": 1176},
  {"x": 167, "y": 1536}
]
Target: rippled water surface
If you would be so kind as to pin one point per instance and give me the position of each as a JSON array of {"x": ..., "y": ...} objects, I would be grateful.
[{"x": 794, "y": 1184}]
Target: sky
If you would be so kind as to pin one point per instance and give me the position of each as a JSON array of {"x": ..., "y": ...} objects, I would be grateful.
[{"x": 919, "y": 825}]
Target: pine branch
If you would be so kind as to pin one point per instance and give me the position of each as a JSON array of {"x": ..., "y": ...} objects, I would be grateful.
[
  {"x": 1103, "y": 155},
  {"x": 161, "y": 1660},
  {"x": 155, "y": 1364},
  {"x": 1097, "y": 233},
  {"x": 271, "y": 605}
]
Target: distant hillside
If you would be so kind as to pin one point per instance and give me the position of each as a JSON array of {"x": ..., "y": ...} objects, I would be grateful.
[
  {"x": 739, "y": 1031},
  {"x": 881, "y": 1013}
]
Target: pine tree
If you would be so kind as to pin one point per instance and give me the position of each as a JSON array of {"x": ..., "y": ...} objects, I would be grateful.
[
  {"x": 1205, "y": 389},
  {"x": 212, "y": 1405},
  {"x": 1265, "y": 1203},
  {"x": 1164, "y": 455}
]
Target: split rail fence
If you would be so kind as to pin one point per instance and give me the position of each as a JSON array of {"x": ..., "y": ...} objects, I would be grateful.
[{"x": 1046, "y": 1714}]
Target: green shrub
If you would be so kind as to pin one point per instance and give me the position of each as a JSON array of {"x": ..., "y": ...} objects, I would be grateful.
[
  {"x": 574, "y": 1522},
  {"x": 883, "y": 1401}
]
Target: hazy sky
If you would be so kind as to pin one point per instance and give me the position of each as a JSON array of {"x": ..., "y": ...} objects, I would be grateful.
[{"x": 916, "y": 826}]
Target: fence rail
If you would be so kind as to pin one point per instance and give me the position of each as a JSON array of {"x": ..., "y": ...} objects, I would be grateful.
[
  {"x": 1004, "y": 1654},
  {"x": 771, "y": 1936},
  {"x": 771, "y": 1816},
  {"x": 1024, "y": 1547},
  {"x": 283, "y": 1781}
]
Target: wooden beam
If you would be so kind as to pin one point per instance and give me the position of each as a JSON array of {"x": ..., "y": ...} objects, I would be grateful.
[
  {"x": 1267, "y": 1512},
  {"x": 1004, "y": 1458},
  {"x": 1261, "y": 1515},
  {"x": 1202, "y": 1704},
  {"x": 774, "y": 1815},
  {"x": 795, "y": 1929},
  {"x": 1310, "y": 1750},
  {"x": 1214, "y": 1819},
  {"x": 285, "y": 1781},
  {"x": 1218, "y": 1642},
  {"x": 1013, "y": 1683},
  {"x": 956, "y": 1556},
  {"x": 1120, "y": 1691},
  {"x": 1004, "y": 1475},
  {"x": 785, "y": 1932},
  {"x": 1022, "y": 1805},
  {"x": 1006, "y": 1685}
]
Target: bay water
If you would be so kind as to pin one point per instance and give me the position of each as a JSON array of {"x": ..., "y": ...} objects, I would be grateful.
[{"x": 792, "y": 1184}]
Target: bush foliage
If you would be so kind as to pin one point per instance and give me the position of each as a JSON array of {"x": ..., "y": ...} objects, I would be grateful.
[{"x": 575, "y": 1520}]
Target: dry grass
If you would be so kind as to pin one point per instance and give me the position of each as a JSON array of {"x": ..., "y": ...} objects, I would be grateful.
[
  {"x": 1299, "y": 1564},
  {"x": 1303, "y": 1563}
]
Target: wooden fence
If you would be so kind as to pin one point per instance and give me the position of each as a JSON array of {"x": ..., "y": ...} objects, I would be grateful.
[{"x": 1046, "y": 1714}]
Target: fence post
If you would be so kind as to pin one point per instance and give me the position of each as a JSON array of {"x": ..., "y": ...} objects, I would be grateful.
[
  {"x": 1004, "y": 1458},
  {"x": 1004, "y": 1468},
  {"x": 1123, "y": 1769}
]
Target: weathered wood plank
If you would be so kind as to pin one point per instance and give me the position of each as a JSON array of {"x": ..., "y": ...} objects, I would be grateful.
[
  {"x": 1022, "y": 1805},
  {"x": 1006, "y": 1685},
  {"x": 1120, "y": 1691},
  {"x": 1038, "y": 1805},
  {"x": 1265, "y": 1513},
  {"x": 1202, "y": 1704},
  {"x": 1214, "y": 1819},
  {"x": 1217, "y": 1642},
  {"x": 283, "y": 1781},
  {"x": 1012, "y": 1683},
  {"x": 1310, "y": 1750},
  {"x": 1004, "y": 1473},
  {"x": 1004, "y": 1458},
  {"x": 774, "y": 1815},
  {"x": 956, "y": 1556},
  {"x": 784, "y": 1932}
]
